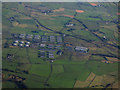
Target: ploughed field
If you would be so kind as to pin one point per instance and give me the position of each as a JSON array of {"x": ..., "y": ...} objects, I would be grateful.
[{"x": 60, "y": 45}]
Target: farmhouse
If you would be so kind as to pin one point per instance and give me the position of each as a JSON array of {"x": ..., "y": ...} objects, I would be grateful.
[
  {"x": 59, "y": 39},
  {"x": 44, "y": 38},
  {"x": 52, "y": 38},
  {"x": 81, "y": 49}
]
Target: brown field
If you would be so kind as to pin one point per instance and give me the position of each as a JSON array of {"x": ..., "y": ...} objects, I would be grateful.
[
  {"x": 116, "y": 85},
  {"x": 110, "y": 27},
  {"x": 99, "y": 34},
  {"x": 79, "y": 11},
  {"x": 79, "y": 57},
  {"x": 15, "y": 23},
  {"x": 113, "y": 59},
  {"x": 92, "y": 48},
  {"x": 97, "y": 81},
  {"x": 69, "y": 16},
  {"x": 81, "y": 84},
  {"x": 93, "y": 4},
  {"x": 19, "y": 25},
  {"x": 26, "y": 18},
  {"x": 58, "y": 10},
  {"x": 91, "y": 77}
]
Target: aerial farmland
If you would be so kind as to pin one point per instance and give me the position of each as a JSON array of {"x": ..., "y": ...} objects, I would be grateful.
[{"x": 60, "y": 45}]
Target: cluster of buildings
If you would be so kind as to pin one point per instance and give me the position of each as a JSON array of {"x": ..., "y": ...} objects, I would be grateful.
[
  {"x": 21, "y": 43},
  {"x": 43, "y": 54},
  {"x": 43, "y": 38},
  {"x": 49, "y": 50}
]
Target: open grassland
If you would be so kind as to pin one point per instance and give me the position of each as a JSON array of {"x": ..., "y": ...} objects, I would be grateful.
[{"x": 94, "y": 27}]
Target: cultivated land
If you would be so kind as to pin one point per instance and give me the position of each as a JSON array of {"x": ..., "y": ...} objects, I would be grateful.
[{"x": 60, "y": 45}]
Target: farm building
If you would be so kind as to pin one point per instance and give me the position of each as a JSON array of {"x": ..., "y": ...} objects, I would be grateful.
[
  {"x": 50, "y": 46},
  {"x": 14, "y": 35},
  {"x": 27, "y": 42},
  {"x": 50, "y": 55},
  {"x": 16, "y": 41},
  {"x": 22, "y": 36},
  {"x": 10, "y": 56},
  {"x": 21, "y": 45},
  {"x": 69, "y": 24},
  {"x": 44, "y": 38},
  {"x": 27, "y": 45},
  {"x": 59, "y": 39},
  {"x": 81, "y": 49},
  {"x": 59, "y": 52},
  {"x": 21, "y": 42},
  {"x": 52, "y": 38},
  {"x": 29, "y": 36},
  {"x": 15, "y": 44},
  {"x": 42, "y": 54},
  {"x": 42, "y": 45},
  {"x": 57, "y": 46},
  {"x": 36, "y": 37}
]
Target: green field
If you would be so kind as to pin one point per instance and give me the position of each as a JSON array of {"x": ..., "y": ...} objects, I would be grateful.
[{"x": 95, "y": 28}]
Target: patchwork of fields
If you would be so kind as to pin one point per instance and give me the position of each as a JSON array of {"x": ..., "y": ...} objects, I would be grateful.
[{"x": 84, "y": 25}]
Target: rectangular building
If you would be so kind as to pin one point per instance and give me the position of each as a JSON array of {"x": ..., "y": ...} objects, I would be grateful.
[
  {"x": 59, "y": 39},
  {"x": 44, "y": 38},
  {"x": 42, "y": 54},
  {"x": 52, "y": 38}
]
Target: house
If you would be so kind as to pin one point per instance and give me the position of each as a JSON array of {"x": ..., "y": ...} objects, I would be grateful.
[
  {"x": 44, "y": 38},
  {"x": 81, "y": 49},
  {"x": 59, "y": 39},
  {"x": 36, "y": 37},
  {"x": 52, "y": 38},
  {"x": 42, "y": 54}
]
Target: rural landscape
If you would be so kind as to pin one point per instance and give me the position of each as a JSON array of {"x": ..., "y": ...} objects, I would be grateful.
[{"x": 60, "y": 45}]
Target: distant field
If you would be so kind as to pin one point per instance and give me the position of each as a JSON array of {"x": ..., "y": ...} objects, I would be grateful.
[{"x": 90, "y": 25}]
